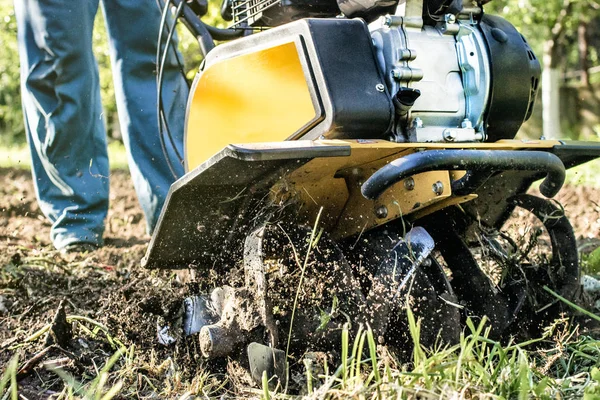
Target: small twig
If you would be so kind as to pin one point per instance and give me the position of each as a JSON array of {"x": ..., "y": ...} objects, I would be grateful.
[
  {"x": 56, "y": 362},
  {"x": 30, "y": 364}
]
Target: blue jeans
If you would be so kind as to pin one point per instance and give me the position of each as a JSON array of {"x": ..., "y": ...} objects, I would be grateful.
[{"x": 63, "y": 112}]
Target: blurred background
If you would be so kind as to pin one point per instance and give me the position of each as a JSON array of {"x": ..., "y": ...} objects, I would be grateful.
[{"x": 565, "y": 35}]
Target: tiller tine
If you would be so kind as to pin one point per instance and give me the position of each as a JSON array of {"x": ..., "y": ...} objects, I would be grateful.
[{"x": 394, "y": 276}]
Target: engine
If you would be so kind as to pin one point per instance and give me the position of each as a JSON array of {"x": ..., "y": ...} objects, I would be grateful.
[
  {"x": 463, "y": 78},
  {"x": 455, "y": 74},
  {"x": 449, "y": 75}
]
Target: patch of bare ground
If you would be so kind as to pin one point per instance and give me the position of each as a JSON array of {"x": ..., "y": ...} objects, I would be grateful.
[{"x": 111, "y": 302}]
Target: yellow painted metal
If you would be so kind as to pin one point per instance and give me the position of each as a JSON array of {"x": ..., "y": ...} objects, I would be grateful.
[
  {"x": 450, "y": 201},
  {"x": 399, "y": 200},
  {"x": 333, "y": 183},
  {"x": 391, "y": 146},
  {"x": 255, "y": 97}
]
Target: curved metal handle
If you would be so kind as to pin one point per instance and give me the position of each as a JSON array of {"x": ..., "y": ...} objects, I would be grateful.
[{"x": 470, "y": 160}]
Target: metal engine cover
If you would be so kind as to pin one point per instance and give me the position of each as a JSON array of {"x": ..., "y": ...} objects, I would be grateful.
[
  {"x": 304, "y": 80},
  {"x": 477, "y": 78},
  {"x": 450, "y": 68}
]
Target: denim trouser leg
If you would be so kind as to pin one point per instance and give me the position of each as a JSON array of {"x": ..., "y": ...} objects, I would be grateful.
[
  {"x": 63, "y": 113},
  {"x": 62, "y": 109},
  {"x": 133, "y": 27}
]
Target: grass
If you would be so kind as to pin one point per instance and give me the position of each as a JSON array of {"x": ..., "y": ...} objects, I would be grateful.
[
  {"x": 18, "y": 156},
  {"x": 566, "y": 366},
  {"x": 586, "y": 174},
  {"x": 561, "y": 364}
]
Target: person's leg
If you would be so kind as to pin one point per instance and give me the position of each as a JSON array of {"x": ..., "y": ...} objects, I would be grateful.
[
  {"x": 133, "y": 27},
  {"x": 62, "y": 110}
]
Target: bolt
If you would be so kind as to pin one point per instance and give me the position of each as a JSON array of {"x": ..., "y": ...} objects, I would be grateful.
[
  {"x": 381, "y": 212},
  {"x": 438, "y": 188},
  {"x": 391, "y": 21},
  {"x": 417, "y": 123},
  {"x": 426, "y": 262},
  {"x": 450, "y": 18},
  {"x": 449, "y": 135},
  {"x": 407, "y": 74},
  {"x": 380, "y": 87},
  {"x": 407, "y": 54},
  {"x": 466, "y": 123},
  {"x": 409, "y": 183}
]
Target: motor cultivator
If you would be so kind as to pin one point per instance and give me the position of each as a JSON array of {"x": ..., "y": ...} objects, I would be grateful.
[{"x": 355, "y": 160}]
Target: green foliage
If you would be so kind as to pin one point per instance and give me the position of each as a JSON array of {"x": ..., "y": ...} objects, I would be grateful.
[
  {"x": 537, "y": 21},
  {"x": 593, "y": 262},
  {"x": 11, "y": 120},
  {"x": 476, "y": 367}
]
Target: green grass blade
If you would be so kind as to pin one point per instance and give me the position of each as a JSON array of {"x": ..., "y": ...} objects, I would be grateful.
[
  {"x": 571, "y": 304},
  {"x": 265, "y": 386},
  {"x": 345, "y": 345}
]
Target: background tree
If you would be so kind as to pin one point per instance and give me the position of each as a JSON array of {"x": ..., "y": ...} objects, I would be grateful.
[{"x": 553, "y": 28}]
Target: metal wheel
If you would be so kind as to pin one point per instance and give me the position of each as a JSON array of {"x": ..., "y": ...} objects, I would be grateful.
[{"x": 501, "y": 273}]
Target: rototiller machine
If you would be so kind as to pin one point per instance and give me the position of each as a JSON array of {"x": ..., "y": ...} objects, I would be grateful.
[{"x": 347, "y": 160}]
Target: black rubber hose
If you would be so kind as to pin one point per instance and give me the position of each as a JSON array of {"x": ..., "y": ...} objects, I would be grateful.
[
  {"x": 204, "y": 33},
  {"x": 470, "y": 160},
  {"x": 224, "y": 33}
]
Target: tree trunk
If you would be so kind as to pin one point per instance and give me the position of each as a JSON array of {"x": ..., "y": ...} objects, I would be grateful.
[
  {"x": 582, "y": 42},
  {"x": 550, "y": 92},
  {"x": 551, "y": 74}
]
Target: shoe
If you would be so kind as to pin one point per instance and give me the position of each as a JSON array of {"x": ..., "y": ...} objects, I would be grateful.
[{"x": 78, "y": 247}]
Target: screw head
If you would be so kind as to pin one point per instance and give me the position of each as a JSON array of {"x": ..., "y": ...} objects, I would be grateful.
[
  {"x": 409, "y": 183},
  {"x": 381, "y": 212},
  {"x": 380, "y": 87},
  {"x": 417, "y": 123},
  {"x": 449, "y": 135},
  {"x": 450, "y": 18},
  {"x": 438, "y": 188}
]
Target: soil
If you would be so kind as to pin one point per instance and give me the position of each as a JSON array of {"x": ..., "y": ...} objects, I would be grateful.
[{"x": 110, "y": 299}]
